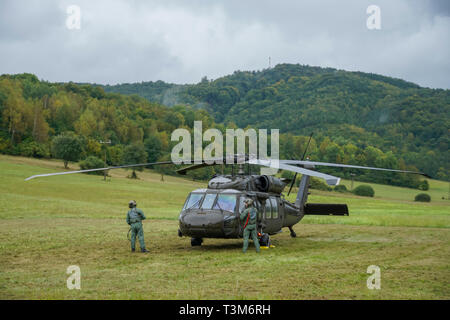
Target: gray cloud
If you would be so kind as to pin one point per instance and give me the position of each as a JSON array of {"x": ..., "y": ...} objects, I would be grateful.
[
  {"x": 181, "y": 41},
  {"x": 439, "y": 7}
]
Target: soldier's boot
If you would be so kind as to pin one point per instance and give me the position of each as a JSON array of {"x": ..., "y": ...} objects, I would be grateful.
[
  {"x": 133, "y": 250},
  {"x": 245, "y": 247},
  {"x": 144, "y": 250}
]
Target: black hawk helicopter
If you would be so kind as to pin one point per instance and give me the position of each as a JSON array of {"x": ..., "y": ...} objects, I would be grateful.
[{"x": 214, "y": 212}]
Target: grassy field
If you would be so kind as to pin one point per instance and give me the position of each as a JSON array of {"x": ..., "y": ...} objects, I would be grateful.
[{"x": 51, "y": 223}]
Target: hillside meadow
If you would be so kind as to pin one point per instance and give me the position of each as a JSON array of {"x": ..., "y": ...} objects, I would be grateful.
[{"x": 48, "y": 224}]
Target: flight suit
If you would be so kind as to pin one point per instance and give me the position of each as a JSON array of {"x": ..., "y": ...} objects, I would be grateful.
[
  {"x": 250, "y": 228},
  {"x": 134, "y": 219}
]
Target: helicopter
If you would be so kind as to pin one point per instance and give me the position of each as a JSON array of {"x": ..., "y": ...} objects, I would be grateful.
[{"x": 214, "y": 212}]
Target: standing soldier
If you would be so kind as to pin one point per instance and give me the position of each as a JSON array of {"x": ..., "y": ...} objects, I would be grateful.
[
  {"x": 249, "y": 216},
  {"x": 134, "y": 220}
]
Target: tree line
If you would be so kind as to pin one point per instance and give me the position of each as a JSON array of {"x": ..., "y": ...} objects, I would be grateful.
[
  {"x": 68, "y": 121},
  {"x": 356, "y": 108}
]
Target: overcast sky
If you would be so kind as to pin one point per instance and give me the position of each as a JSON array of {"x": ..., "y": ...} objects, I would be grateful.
[{"x": 182, "y": 41}]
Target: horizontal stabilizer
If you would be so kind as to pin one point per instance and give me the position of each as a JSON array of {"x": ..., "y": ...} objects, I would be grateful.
[{"x": 326, "y": 209}]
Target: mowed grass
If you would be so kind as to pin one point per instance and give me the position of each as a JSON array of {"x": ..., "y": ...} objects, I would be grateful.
[{"x": 48, "y": 224}]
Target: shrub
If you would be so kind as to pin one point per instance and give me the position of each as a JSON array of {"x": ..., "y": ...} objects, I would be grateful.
[
  {"x": 424, "y": 186},
  {"x": 92, "y": 162},
  {"x": 364, "y": 190},
  {"x": 33, "y": 149},
  {"x": 340, "y": 188},
  {"x": 319, "y": 184},
  {"x": 422, "y": 197}
]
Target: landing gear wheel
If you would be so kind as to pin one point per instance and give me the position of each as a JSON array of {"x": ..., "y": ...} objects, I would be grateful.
[
  {"x": 265, "y": 240},
  {"x": 196, "y": 242},
  {"x": 293, "y": 234}
]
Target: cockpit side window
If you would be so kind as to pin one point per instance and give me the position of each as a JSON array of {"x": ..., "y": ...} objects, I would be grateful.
[
  {"x": 226, "y": 202},
  {"x": 186, "y": 202},
  {"x": 258, "y": 210},
  {"x": 242, "y": 204},
  {"x": 194, "y": 201}
]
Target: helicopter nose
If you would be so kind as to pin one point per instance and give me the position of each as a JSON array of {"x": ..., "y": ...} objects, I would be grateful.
[
  {"x": 202, "y": 224},
  {"x": 201, "y": 219}
]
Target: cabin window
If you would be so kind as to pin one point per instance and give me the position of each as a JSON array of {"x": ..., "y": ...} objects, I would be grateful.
[
  {"x": 274, "y": 208},
  {"x": 194, "y": 201},
  {"x": 258, "y": 210},
  {"x": 242, "y": 204},
  {"x": 209, "y": 201},
  {"x": 226, "y": 202},
  {"x": 268, "y": 209}
]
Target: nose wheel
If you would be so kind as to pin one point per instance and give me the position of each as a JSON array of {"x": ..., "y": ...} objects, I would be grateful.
[{"x": 196, "y": 242}]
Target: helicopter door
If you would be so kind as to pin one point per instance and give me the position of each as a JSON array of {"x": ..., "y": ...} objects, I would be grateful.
[
  {"x": 241, "y": 209},
  {"x": 272, "y": 217},
  {"x": 238, "y": 216},
  {"x": 277, "y": 213},
  {"x": 227, "y": 203}
]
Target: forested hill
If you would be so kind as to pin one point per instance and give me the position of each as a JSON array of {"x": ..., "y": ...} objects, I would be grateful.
[
  {"x": 349, "y": 107},
  {"x": 356, "y": 119}
]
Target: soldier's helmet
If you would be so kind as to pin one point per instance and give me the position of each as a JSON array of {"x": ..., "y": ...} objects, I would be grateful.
[{"x": 132, "y": 204}]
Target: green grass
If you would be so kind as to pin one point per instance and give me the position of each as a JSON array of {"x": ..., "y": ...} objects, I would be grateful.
[
  {"x": 50, "y": 223},
  {"x": 438, "y": 190}
]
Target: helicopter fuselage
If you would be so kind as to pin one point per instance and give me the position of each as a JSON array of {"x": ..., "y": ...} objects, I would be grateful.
[{"x": 215, "y": 213}]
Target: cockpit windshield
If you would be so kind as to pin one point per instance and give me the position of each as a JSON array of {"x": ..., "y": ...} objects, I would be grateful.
[
  {"x": 193, "y": 201},
  {"x": 226, "y": 202},
  {"x": 209, "y": 201}
]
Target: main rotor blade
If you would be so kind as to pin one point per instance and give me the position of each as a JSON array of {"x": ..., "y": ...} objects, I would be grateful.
[
  {"x": 232, "y": 159},
  {"x": 205, "y": 163},
  {"x": 314, "y": 163},
  {"x": 184, "y": 170},
  {"x": 330, "y": 180},
  {"x": 99, "y": 169}
]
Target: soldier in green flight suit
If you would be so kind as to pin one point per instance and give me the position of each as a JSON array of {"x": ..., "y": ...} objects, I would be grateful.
[
  {"x": 249, "y": 218},
  {"x": 134, "y": 220}
]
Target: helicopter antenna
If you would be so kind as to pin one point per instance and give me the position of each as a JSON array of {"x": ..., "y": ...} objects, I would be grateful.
[
  {"x": 303, "y": 158},
  {"x": 307, "y": 146}
]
